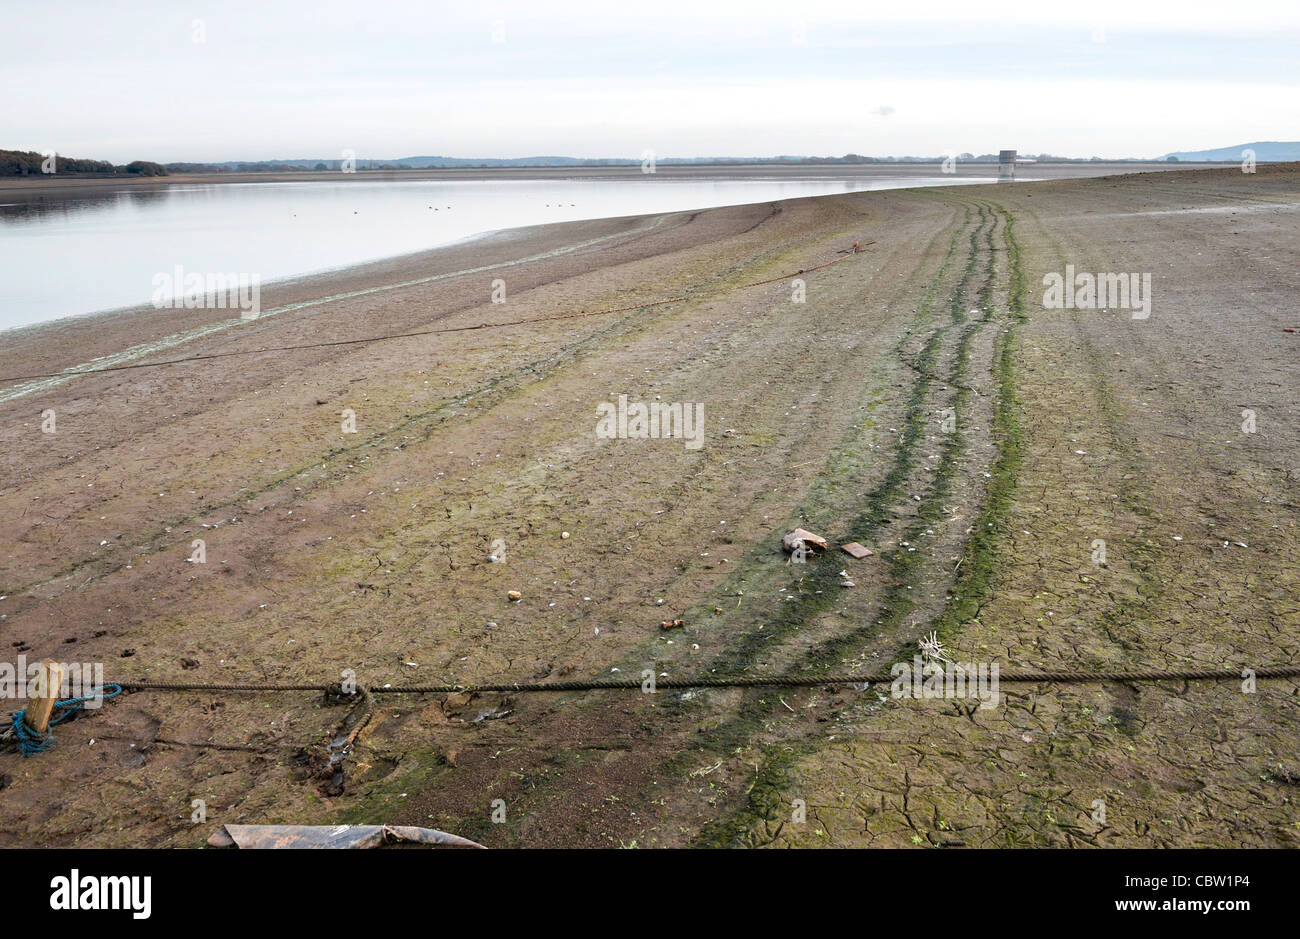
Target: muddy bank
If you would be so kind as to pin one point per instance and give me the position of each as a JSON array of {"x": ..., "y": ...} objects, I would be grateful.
[{"x": 326, "y": 550}]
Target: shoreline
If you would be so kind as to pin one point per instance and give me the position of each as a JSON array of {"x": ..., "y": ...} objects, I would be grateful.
[
  {"x": 139, "y": 330},
  {"x": 55, "y": 187},
  {"x": 290, "y": 280},
  {"x": 351, "y": 266}
]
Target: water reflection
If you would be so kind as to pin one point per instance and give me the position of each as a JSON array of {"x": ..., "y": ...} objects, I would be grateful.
[{"x": 21, "y": 206}]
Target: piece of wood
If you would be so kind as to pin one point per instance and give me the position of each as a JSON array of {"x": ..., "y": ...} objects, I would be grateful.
[
  {"x": 857, "y": 550},
  {"x": 46, "y": 687}
]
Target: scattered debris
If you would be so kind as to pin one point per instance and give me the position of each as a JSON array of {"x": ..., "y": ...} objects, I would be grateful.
[
  {"x": 333, "y": 836},
  {"x": 468, "y": 707},
  {"x": 857, "y": 550},
  {"x": 672, "y": 624},
  {"x": 455, "y": 704},
  {"x": 932, "y": 648},
  {"x": 801, "y": 537}
]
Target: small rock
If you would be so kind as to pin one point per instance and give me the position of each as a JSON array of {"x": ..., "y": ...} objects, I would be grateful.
[{"x": 514, "y": 596}]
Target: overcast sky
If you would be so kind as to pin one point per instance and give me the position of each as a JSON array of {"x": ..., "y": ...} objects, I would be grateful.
[{"x": 171, "y": 81}]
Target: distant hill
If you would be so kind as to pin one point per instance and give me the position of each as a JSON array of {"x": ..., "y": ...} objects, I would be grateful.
[
  {"x": 440, "y": 162},
  {"x": 1266, "y": 151},
  {"x": 446, "y": 162}
]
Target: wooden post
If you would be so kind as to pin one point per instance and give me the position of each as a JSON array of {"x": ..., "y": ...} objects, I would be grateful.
[{"x": 46, "y": 687}]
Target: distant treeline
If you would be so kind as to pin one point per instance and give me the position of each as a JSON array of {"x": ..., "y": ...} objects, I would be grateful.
[
  {"x": 27, "y": 163},
  {"x": 267, "y": 167}
]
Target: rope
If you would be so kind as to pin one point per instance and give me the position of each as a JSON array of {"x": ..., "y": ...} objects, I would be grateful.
[
  {"x": 184, "y": 686},
  {"x": 32, "y": 741},
  {"x": 411, "y": 335},
  {"x": 744, "y": 681},
  {"x": 358, "y": 721}
]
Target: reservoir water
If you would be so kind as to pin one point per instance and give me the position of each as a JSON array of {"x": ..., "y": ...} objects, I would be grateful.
[{"x": 66, "y": 257}]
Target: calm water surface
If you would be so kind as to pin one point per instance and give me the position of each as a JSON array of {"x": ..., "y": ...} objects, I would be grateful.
[{"x": 73, "y": 256}]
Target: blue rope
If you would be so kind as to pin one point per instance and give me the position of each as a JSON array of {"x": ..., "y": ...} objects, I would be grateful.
[{"x": 30, "y": 742}]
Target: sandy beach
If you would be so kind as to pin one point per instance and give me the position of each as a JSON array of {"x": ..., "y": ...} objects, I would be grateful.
[{"x": 328, "y": 550}]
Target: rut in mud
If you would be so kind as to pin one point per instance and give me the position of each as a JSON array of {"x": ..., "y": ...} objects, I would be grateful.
[{"x": 928, "y": 480}]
